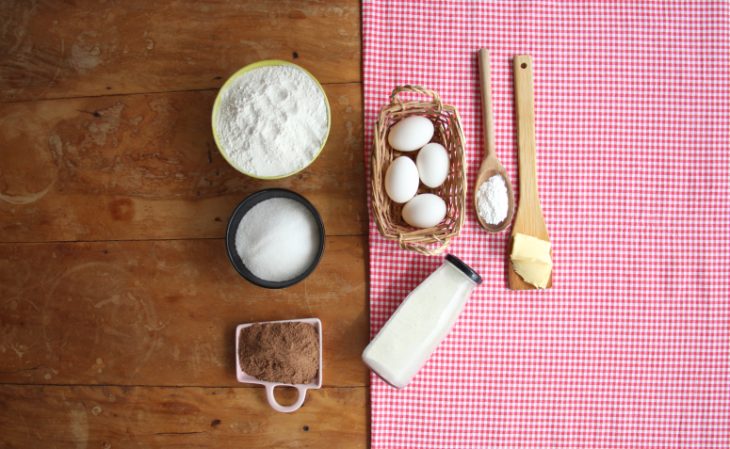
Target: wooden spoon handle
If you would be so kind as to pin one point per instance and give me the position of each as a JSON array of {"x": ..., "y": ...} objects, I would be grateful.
[
  {"x": 529, "y": 218},
  {"x": 487, "y": 116}
]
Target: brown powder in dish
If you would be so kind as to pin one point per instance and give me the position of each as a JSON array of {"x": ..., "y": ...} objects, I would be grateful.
[{"x": 280, "y": 352}]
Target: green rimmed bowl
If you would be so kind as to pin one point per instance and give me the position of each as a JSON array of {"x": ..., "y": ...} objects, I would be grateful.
[{"x": 231, "y": 80}]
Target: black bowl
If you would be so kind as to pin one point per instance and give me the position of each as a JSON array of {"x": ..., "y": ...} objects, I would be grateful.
[{"x": 242, "y": 209}]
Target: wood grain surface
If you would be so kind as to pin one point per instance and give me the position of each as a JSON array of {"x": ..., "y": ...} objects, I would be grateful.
[
  {"x": 154, "y": 417},
  {"x": 60, "y": 49},
  {"x": 163, "y": 312},
  {"x": 117, "y": 302},
  {"x": 146, "y": 167}
]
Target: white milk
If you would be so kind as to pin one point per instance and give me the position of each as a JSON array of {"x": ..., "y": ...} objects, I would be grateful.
[{"x": 420, "y": 323}]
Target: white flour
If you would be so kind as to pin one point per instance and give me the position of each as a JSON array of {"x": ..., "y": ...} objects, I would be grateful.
[
  {"x": 492, "y": 200},
  {"x": 272, "y": 121},
  {"x": 277, "y": 239}
]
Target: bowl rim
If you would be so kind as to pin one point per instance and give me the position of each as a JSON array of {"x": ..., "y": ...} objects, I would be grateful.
[
  {"x": 242, "y": 208},
  {"x": 240, "y": 72}
]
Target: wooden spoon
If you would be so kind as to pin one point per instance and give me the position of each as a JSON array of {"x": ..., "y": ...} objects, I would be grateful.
[
  {"x": 490, "y": 164},
  {"x": 529, "y": 219}
]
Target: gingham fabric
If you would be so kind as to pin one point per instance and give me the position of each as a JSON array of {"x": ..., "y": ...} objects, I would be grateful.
[{"x": 631, "y": 347}]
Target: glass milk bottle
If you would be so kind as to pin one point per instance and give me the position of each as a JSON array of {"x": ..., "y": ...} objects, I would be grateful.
[{"x": 421, "y": 322}]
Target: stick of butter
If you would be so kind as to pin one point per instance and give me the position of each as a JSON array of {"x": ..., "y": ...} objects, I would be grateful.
[{"x": 531, "y": 259}]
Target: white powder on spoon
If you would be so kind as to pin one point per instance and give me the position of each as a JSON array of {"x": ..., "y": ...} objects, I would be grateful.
[
  {"x": 277, "y": 239},
  {"x": 493, "y": 200},
  {"x": 272, "y": 121}
]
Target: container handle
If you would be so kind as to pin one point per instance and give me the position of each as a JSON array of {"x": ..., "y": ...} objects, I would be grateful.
[
  {"x": 394, "y": 100},
  {"x": 301, "y": 394}
]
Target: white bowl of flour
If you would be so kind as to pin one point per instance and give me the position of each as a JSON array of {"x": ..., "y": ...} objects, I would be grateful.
[{"x": 271, "y": 119}]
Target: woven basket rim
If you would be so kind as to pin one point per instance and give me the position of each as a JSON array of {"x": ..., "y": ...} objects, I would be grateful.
[{"x": 447, "y": 122}]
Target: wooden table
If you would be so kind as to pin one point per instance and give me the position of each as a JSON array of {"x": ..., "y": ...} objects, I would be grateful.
[{"x": 117, "y": 301}]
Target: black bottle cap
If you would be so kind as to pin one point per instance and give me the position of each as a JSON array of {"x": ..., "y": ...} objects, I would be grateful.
[{"x": 466, "y": 269}]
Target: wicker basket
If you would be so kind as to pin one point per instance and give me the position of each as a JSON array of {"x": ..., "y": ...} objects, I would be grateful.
[{"x": 430, "y": 241}]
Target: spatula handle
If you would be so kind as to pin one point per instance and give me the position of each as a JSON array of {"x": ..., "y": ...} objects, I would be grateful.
[
  {"x": 529, "y": 218},
  {"x": 485, "y": 81}
]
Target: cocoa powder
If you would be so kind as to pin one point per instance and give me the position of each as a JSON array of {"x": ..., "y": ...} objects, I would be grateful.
[{"x": 280, "y": 352}]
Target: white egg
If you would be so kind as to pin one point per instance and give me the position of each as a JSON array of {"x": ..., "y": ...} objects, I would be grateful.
[
  {"x": 411, "y": 133},
  {"x": 424, "y": 211},
  {"x": 433, "y": 164},
  {"x": 401, "y": 179}
]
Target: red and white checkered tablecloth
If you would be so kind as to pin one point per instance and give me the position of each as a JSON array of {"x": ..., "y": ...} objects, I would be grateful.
[{"x": 631, "y": 347}]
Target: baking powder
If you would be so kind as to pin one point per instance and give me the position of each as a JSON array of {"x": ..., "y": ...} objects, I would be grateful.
[
  {"x": 492, "y": 200},
  {"x": 272, "y": 121}
]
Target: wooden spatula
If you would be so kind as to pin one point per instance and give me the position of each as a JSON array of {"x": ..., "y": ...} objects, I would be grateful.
[{"x": 529, "y": 219}]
